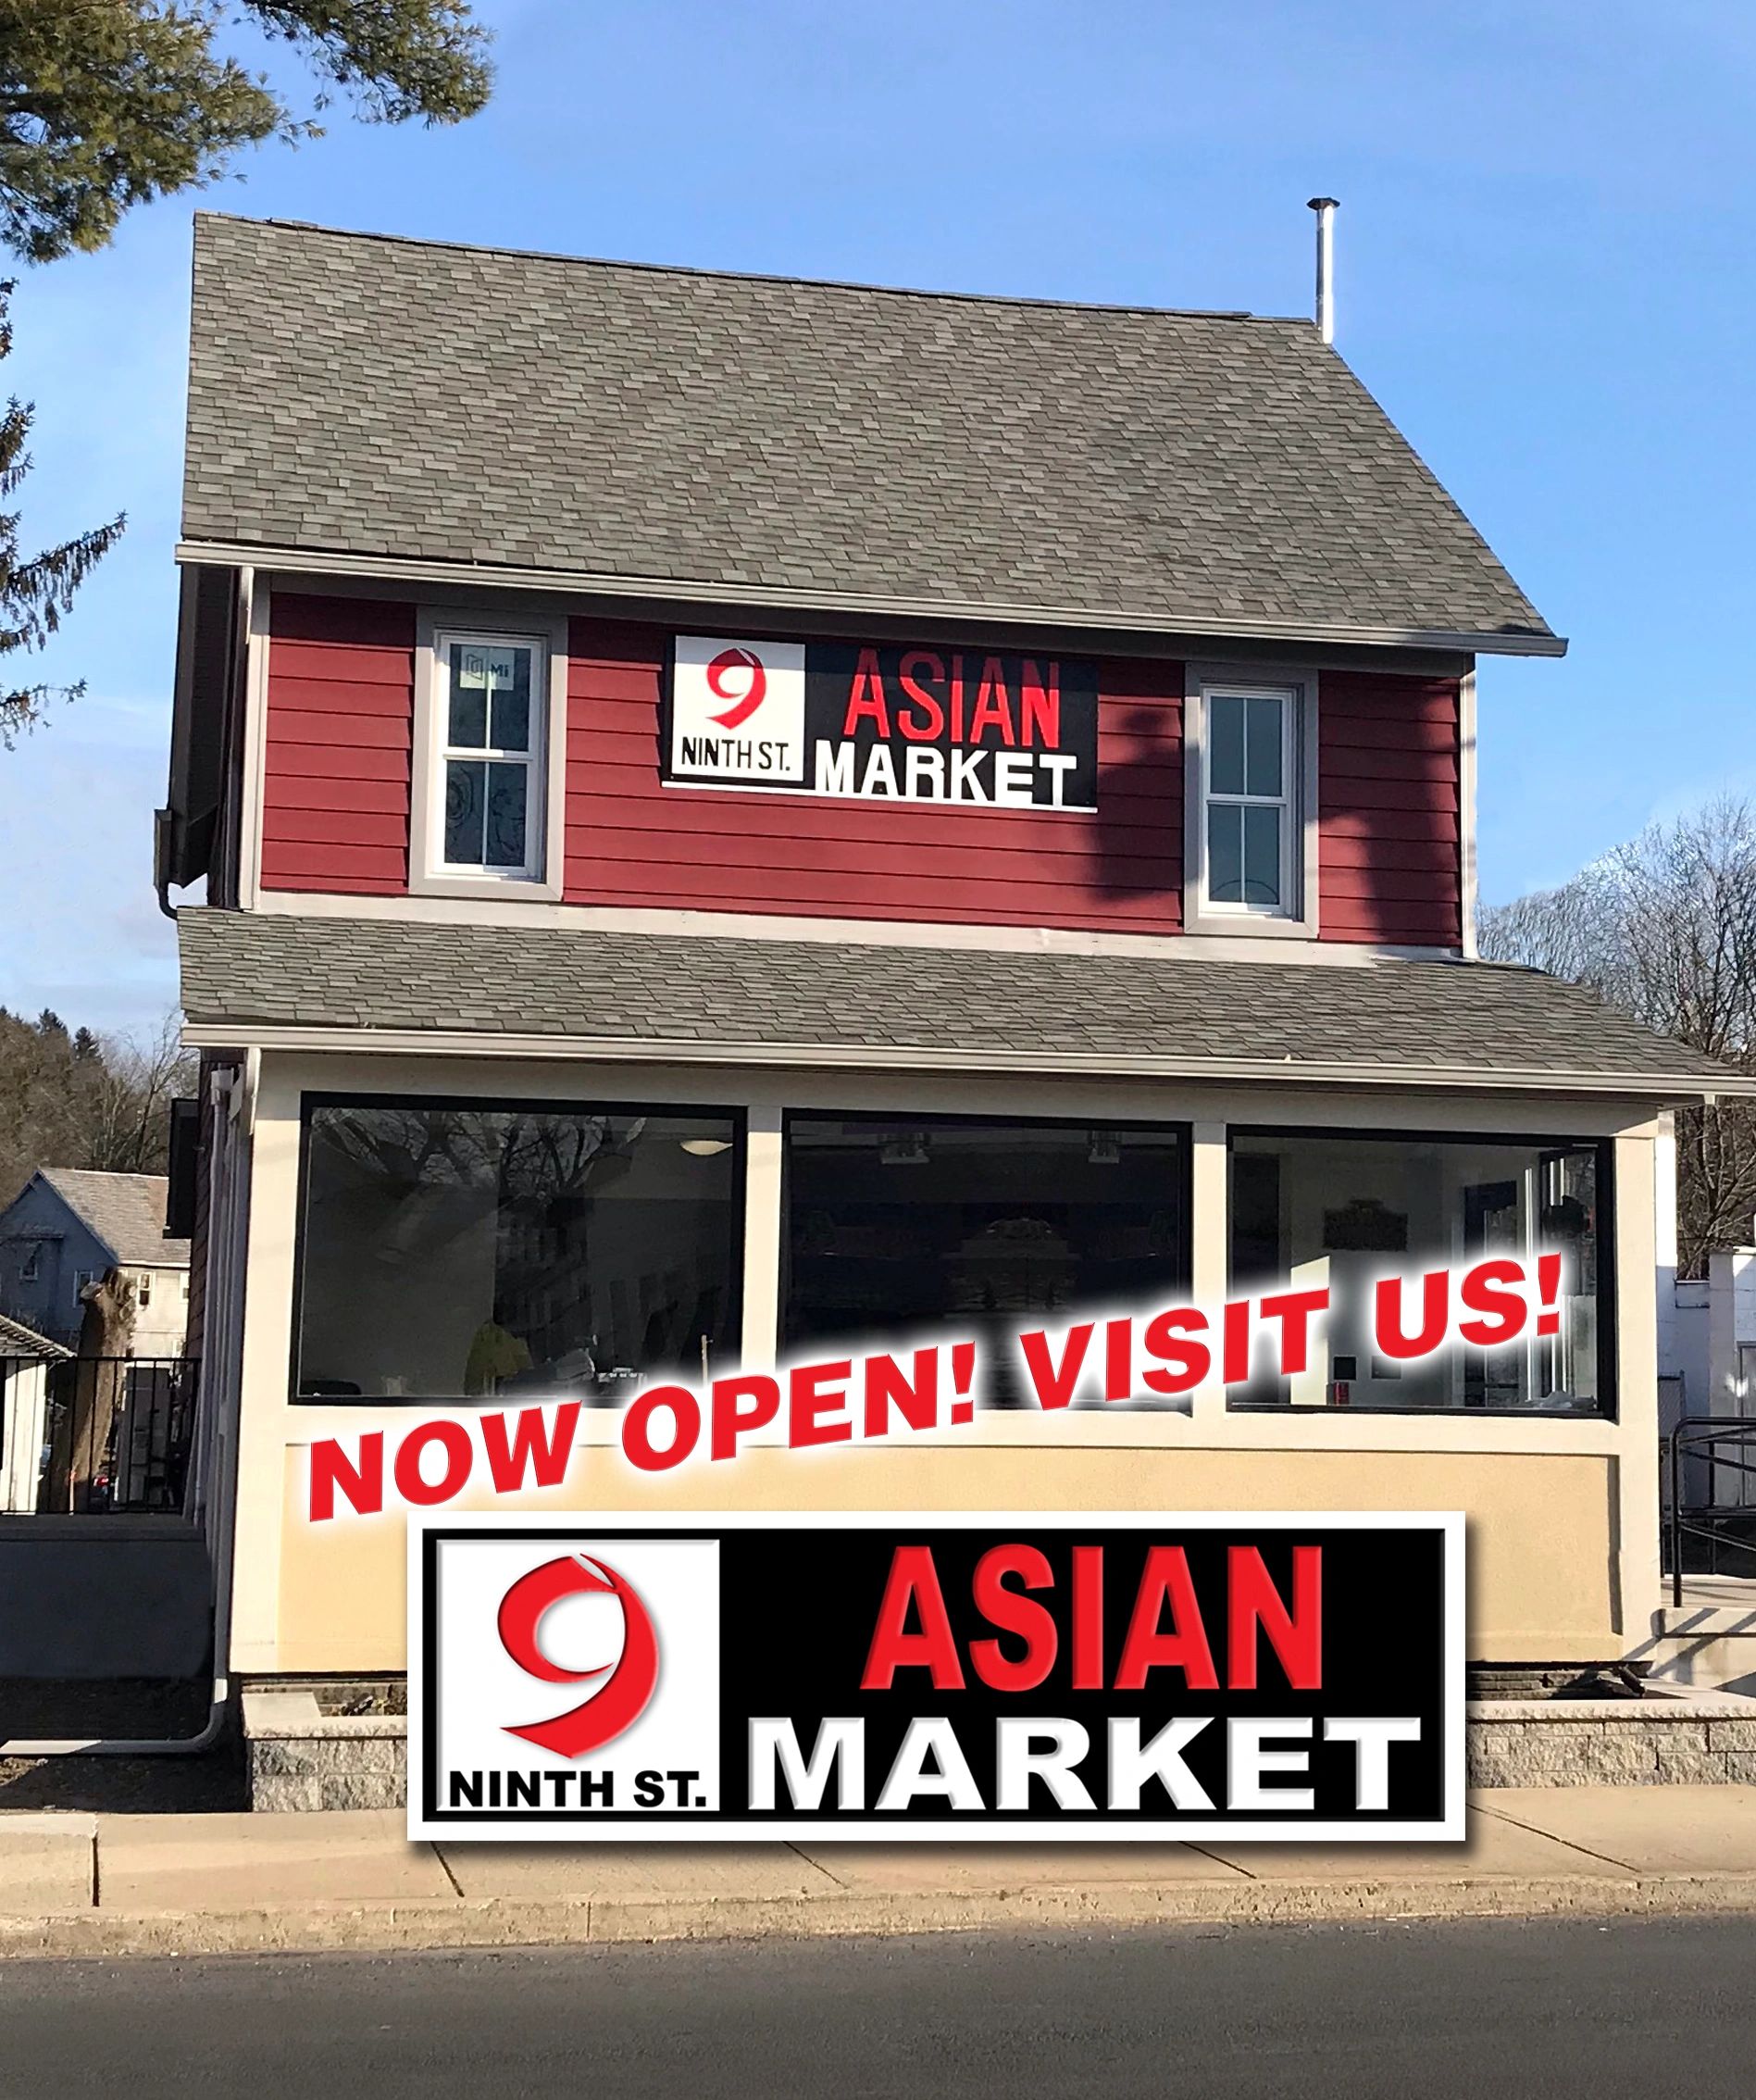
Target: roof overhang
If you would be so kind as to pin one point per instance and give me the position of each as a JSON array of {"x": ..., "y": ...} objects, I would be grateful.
[
  {"x": 408, "y": 569},
  {"x": 1376, "y": 1076}
]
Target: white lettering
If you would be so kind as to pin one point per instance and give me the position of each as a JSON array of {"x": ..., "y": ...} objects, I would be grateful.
[
  {"x": 839, "y": 1747},
  {"x": 922, "y": 760},
  {"x": 880, "y": 771},
  {"x": 931, "y": 1736},
  {"x": 965, "y": 783},
  {"x": 1249, "y": 1760},
  {"x": 1011, "y": 778},
  {"x": 1019, "y": 1762},
  {"x": 1372, "y": 1740},
  {"x": 1161, "y": 1759},
  {"x": 834, "y": 768},
  {"x": 1057, "y": 764}
]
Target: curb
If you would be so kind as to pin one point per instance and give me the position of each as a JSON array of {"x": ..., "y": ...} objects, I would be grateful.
[{"x": 393, "y": 1927}]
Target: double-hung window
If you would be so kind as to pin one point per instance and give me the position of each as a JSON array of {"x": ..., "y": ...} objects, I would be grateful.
[
  {"x": 1249, "y": 800},
  {"x": 1250, "y": 770},
  {"x": 487, "y": 761}
]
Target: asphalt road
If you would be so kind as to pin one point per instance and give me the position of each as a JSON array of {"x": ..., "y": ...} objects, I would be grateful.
[{"x": 1417, "y": 2013}]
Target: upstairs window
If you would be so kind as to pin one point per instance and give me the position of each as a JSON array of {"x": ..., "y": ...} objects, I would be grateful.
[
  {"x": 1249, "y": 801},
  {"x": 487, "y": 763},
  {"x": 1251, "y": 843},
  {"x": 492, "y": 689}
]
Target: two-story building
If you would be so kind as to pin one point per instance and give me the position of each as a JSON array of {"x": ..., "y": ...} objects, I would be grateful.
[{"x": 739, "y": 811}]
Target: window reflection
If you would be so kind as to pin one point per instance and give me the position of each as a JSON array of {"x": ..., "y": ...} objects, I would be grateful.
[
  {"x": 1338, "y": 1213},
  {"x": 454, "y": 1251},
  {"x": 896, "y": 1226}
]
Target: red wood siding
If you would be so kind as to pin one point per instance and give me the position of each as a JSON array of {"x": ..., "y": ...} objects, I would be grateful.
[
  {"x": 631, "y": 841},
  {"x": 1389, "y": 810},
  {"x": 336, "y": 754},
  {"x": 336, "y": 791}
]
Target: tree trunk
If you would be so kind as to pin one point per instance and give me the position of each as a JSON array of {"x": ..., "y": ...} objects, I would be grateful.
[{"x": 99, "y": 1380}]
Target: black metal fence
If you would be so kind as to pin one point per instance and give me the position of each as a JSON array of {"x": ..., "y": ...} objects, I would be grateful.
[
  {"x": 91, "y": 1435},
  {"x": 1708, "y": 1486}
]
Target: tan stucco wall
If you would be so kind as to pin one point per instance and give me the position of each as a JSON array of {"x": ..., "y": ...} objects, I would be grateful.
[
  {"x": 1541, "y": 1580},
  {"x": 1564, "y": 1524}
]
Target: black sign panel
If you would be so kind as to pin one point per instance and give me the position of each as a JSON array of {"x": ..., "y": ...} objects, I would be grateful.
[
  {"x": 1024, "y": 1676},
  {"x": 966, "y": 729}
]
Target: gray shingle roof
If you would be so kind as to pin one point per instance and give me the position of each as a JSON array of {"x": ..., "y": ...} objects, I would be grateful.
[
  {"x": 1195, "y": 472},
  {"x": 126, "y": 1211},
  {"x": 706, "y": 997},
  {"x": 16, "y": 1340}
]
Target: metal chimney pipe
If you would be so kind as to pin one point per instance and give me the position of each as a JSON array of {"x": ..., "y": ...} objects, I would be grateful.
[{"x": 1325, "y": 208}]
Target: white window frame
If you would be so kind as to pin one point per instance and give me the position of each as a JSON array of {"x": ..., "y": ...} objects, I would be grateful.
[
  {"x": 540, "y": 878},
  {"x": 1296, "y": 917}
]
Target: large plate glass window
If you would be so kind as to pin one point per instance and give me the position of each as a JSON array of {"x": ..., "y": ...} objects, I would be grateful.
[
  {"x": 462, "y": 1250},
  {"x": 1341, "y": 1212},
  {"x": 489, "y": 719},
  {"x": 1250, "y": 804},
  {"x": 896, "y": 1227}
]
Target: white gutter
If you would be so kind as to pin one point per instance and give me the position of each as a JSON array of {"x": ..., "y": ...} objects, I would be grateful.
[
  {"x": 410, "y": 568},
  {"x": 890, "y": 1057}
]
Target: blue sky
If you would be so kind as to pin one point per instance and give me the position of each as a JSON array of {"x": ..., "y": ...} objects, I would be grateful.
[{"x": 1544, "y": 273}]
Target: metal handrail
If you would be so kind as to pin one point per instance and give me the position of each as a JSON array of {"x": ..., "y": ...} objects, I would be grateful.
[
  {"x": 108, "y": 1434},
  {"x": 1703, "y": 1436}
]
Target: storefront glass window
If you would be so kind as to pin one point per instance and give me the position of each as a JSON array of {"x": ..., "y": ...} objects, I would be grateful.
[
  {"x": 457, "y": 1251},
  {"x": 1342, "y": 1211},
  {"x": 895, "y": 1227}
]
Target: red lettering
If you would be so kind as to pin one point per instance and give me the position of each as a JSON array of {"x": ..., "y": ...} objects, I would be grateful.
[
  {"x": 1494, "y": 1289},
  {"x": 813, "y": 1392},
  {"x": 1193, "y": 1360},
  {"x": 1181, "y": 1647},
  {"x": 1392, "y": 1337},
  {"x": 1235, "y": 1321},
  {"x": 681, "y": 1405},
  {"x": 738, "y": 1406},
  {"x": 865, "y": 698},
  {"x": 1055, "y": 1384},
  {"x": 1088, "y": 1618},
  {"x": 453, "y": 1439},
  {"x": 929, "y": 723},
  {"x": 1040, "y": 705},
  {"x": 994, "y": 704},
  {"x": 533, "y": 1446},
  {"x": 1034, "y": 1623},
  {"x": 912, "y": 1579},
  {"x": 1255, "y": 1606},
  {"x": 957, "y": 696},
  {"x": 915, "y": 1400},
  {"x": 1118, "y": 1359},
  {"x": 1295, "y": 1311},
  {"x": 362, "y": 1484}
]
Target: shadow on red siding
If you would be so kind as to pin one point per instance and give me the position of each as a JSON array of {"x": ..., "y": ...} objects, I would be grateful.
[{"x": 632, "y": 842}]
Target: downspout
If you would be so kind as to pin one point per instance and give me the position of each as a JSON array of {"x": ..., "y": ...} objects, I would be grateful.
[{"x": 225, "y": 1485}]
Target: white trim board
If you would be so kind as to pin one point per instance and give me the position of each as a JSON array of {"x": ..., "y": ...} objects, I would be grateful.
[{"x": 533, "y": 913}]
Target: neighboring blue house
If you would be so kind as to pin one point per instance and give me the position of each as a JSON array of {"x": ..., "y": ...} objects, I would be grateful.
[{"x": 67, "y": 1227}]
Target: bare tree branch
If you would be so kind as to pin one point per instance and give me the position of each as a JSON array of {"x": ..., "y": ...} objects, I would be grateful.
[{"x": 1665, "y": 928}]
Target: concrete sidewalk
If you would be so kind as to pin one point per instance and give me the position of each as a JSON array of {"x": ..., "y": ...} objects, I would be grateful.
[{"x": 102, "y": 1885}]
